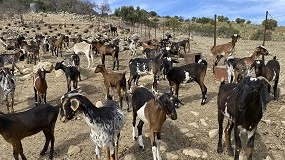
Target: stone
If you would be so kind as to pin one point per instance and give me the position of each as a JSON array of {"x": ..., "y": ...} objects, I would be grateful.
[
  {"x": 203, "y": 121},
  {"x": 171, "y": 156},
  {"x": 99, "y": 104},
  {"x": 213, "y": 133},
  {"x": 129, "y": 157},
  {"x": 72, "y": 150},
  {"x": 184, "y": 130},
  {"x": 195, "y": 113},
  {"x": 25, "y": 77},
  {"x": 194, "y": 124}
]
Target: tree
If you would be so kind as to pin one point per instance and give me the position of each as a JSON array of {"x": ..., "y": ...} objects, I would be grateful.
[
  {"x": 222, "y": 19},
  {"x": 248, "y": 22},
  {"x": 153, "y": 13},
  {"x": 104, "y": 7},
  {"x": 271, "y": 24},
  {"x": 239, "y": 20}
]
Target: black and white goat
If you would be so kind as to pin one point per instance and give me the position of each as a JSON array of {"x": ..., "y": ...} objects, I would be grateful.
[
  {"x": 105, "y": 122},
  {"x": 7, "y": 83},
  {"x": 141, "y": 66},
  {"x": 243, "y": 104},
  {"x": 71, "y": 74},
  {"x": 73, "y": 60},
  {"x": 152, "y": 111},
  {"x": 188, "y": 73},
  {"x": 270, "y": 71}
]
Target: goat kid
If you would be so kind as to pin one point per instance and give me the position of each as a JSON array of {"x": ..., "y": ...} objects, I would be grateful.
[
  {"x": 40, "y": 86},
  {"x": 7, "y": 83},
  {"x": 152, "y": 111},
  {"x": 114, "y": 80},
  {"x": 16, "y": 126},
  {"x": 105, "y": 122},
  {"x": 243, "y": 104}
]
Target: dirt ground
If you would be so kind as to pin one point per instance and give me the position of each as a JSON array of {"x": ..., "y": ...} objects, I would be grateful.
[{"x": 190, "y": 132}]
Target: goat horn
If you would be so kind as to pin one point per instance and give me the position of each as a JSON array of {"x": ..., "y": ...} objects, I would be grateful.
[{"x": 263, "y": 78}]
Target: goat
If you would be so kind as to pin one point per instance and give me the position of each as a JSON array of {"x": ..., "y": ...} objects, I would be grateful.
[
  {"x": 243, "y": 104},
  {"x": 16, "y": 126},
  {"x": 58, "y": 45},
  {"x": 238, "y": 68},
  {"x": 32, "y": 52},
  {"x": 114, "y": 80},
  {"x": 185, "y": 44},
  {"x": 133, "y": 47},
  {"x": 151, "y": 53},
  {"x": 270, "y": 71},
  {"x": 71, "y": 74},
  {"x": 40, "y": 86},
  {"x": 73, "y": 60},
  {"x": 222, "y": 50},
  {"x": 12, "y": 59},
  {"x": 152, "y": 111},
  {"x": 188, "y": 73},
  {"x": 141, "y": 66},
  {"x": 110, "y": 49},
  {"x": 12, "y": 44},
  {"x": 105, "y": 122},
  {"x": 85, "y": 48},
  {"x": 113, "y": 30},
  {"x": 7, "y": 83}
]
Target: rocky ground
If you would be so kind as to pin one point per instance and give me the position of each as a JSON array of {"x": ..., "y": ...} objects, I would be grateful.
[{"x": 192, "y": 136}]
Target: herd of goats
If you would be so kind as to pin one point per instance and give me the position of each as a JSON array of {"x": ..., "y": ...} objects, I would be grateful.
[{"x": 242, "y": 99}]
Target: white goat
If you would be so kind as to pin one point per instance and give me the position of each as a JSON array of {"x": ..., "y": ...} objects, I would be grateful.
[{"x": 85, "y": 48}]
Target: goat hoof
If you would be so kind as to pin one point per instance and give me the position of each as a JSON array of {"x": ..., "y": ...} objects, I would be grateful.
[
  {"x": 42, "y": 153},
  {"x": 230, "y": 152},
  {"x": 135, "y": 138},
  {"x": 141, "y": 147},
  {"x": 220, "y": 150}
]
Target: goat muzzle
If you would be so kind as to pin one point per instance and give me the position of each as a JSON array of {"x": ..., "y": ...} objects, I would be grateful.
[{"x": 173, "y": 116}]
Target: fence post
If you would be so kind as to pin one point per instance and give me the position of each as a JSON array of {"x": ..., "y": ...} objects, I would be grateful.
[
  {"x": 265, "y": 25},
  {"x": 163, "y": 29},
  {"x": 215, "y": 29}
]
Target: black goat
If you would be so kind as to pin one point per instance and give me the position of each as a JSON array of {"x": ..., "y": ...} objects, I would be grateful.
[
  {"x": 152, "y": 111},
  {"x": 71, "y": 74},
  {"x": 270, "y": 71},
  {"x": 243, "y": 104},
  {"x": 73, "y": 60},
  {"x": 152, "y": 53},
  {"x": 16, "y": 126},
  {"x": 188, "y": 73}
]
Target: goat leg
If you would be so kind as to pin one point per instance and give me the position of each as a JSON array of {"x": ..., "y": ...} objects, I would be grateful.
[
  {"x": 220, "y": 121},
  {"x": 36, "y": 96},
  {"x": 18, "y": 149},
  {"x": 250, "y": 143},
  {"x": 140, "y": 125},
  {"x": 108, "y": 153},
  {"x": 228, "y": 131},
  {"x": 48, "y": 138},
  {"x": 237, "y": 142}
]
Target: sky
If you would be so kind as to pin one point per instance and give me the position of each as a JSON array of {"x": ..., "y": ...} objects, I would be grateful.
[{"x": 253, "y": 10}]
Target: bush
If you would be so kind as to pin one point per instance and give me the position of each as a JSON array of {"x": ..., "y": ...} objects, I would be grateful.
[
  {"x": 225, "y": 31},
  {"x": 259, "y": 35}
]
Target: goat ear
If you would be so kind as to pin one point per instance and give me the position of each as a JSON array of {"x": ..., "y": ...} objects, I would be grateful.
[
  {"x": 74, "y": 104},
  {"x": 264, "y": 97}
]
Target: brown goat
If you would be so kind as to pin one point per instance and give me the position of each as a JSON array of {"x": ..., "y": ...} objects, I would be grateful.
[
  {"x": 40, "y": 86},
  {"x": 58, "y": 45},
  {"x": 110, "y": 49},
  {"x": 115, "y": 80},
  {"x": 222, "y": 50}
]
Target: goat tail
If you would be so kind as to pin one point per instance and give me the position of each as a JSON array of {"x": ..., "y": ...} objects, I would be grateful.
[{"x": 123, "y": 81}]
